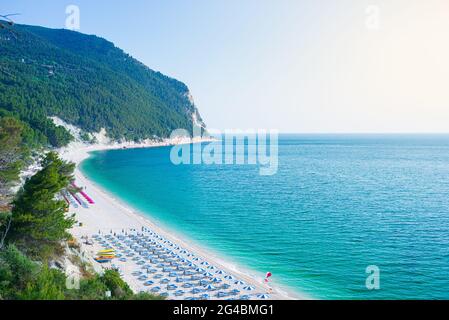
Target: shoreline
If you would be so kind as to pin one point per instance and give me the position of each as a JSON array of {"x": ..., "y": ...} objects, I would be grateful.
[{"x": 112, "y": 214}]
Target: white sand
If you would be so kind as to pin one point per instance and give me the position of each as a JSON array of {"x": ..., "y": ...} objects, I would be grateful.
[{"x": 108, "y": 213}]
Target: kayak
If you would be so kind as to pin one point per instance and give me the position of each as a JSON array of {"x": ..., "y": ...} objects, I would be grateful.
[
  {"x": 99, "y": 260},
  {"x": 106, "y": 251},
  {"x": 106, "y": 257}
]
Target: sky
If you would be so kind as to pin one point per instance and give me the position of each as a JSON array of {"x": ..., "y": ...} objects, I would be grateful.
[{"x": 311, "y": 66}]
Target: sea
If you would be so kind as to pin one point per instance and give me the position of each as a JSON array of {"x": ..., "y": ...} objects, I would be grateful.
[{"x": 345, "y": 216}]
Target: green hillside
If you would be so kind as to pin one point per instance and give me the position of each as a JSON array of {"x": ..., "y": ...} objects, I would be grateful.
[{"x": 86, "y": 81}]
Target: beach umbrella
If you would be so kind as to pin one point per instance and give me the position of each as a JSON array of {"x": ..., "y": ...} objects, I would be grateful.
[
  {"x": 199, "y": 270},
  {"x": 204, "y": 282},
  {"x": 205, "y": 263},
  {"x": 210, "y": 287},
  {"x": 179, "y": 293},
  {"x": 220, "y": 272},
  {"x": 229, "y": 277},
  {"x": 208, "y": 274},
  {"x": 204, "y": 296},
  {"x": 221, "y": 294},
  {"x": 149, "y": 283},
  {"x": 216, "y": 280},
  {"x": 235, "y": 291},
  {"x": 239, "y": 282},
  {"x": 249, "y": 288},
  {"x": 156, "y": 289},
  {"x": 263, "y": 296},
  {"x": 196, "y": 290},
  {"x": 187, "y": 285}
]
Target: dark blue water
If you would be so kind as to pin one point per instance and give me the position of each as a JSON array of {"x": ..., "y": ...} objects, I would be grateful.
[{"x": 338, "y": 204}]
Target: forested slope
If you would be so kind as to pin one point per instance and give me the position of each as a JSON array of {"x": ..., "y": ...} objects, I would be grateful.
[{"x": 88, "y": 82}]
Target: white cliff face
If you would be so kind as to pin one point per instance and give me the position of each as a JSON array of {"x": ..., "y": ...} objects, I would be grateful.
[
  {"x": 190, "y": 97},
  {"x": 101, "y": 139},
  {"x": 74, "y": 131},
  {"x": 196, "y": 121},
  {"x": 196, "y": 118}
]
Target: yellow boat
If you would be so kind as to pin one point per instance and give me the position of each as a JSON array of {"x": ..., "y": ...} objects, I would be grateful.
[{"x": 112, "y": 251}]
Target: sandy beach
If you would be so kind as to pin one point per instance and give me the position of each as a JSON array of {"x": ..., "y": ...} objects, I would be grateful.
[{"x": 109, "y": 218}]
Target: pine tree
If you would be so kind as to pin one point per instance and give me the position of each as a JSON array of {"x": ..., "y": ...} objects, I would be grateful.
[
  {"x": 38, "y": 218},
  {"x": 10, "y": 154}
]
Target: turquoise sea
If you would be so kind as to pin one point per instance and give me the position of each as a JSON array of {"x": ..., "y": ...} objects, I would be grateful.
[{"x": 338, "y": 204}]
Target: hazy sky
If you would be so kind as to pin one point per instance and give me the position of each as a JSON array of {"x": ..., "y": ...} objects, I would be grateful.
[{"x": 296, "y": 66}]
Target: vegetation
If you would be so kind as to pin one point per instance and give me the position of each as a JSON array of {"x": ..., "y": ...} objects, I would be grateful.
[
  {"x": 39, "y": 226},
  {"x": 38, "y": 219},
  {"x": 23, "y": 279},
  {"x": 94, "y": 288},
  {"x": 12, "y": 155},
  {"x": 88, "y": 82}
]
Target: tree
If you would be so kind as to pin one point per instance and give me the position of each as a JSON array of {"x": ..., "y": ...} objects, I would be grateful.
[
  {"x": 11, "y": 161},
  {"x": 87, "y": 82},
  {"x": 38, "y": 218},
  {"x": 5, "y": 225},
  {"x": 16, "y": 271},
  {"x": 118, "y": 287},
  {"x": 48, "y": 285},
  {"x": 11, "y": 155}
]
